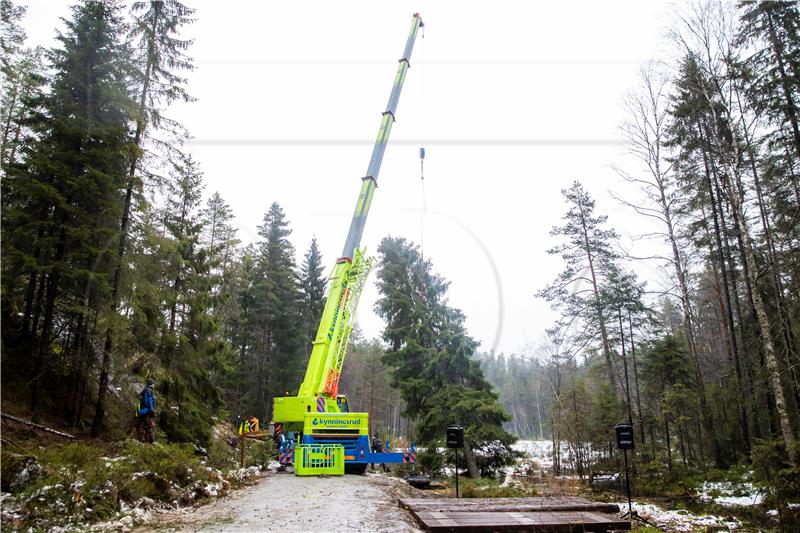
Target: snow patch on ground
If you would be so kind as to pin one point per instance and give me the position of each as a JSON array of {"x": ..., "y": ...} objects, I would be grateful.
[
  {"x": 679, "y": 520},
  {"x": 742, "y": 494},
  {"x": 246, "y": 473}
]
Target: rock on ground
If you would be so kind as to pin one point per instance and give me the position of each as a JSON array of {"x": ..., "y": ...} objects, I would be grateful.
[{"x": 285, "y": 502}]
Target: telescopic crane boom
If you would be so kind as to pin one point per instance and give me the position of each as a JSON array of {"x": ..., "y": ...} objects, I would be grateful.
[{"x": 319, "y": 390}]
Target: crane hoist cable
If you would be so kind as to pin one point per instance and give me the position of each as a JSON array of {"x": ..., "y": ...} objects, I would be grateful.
[
  {"x": 423, "y": 204},
  {"x": 423, "y": 212}
]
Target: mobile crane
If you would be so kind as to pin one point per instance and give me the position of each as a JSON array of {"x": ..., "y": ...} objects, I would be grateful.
[{"x": 319, "y": 414}]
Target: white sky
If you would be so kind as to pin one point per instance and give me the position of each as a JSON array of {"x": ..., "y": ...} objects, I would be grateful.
[{"x": 513, "y": 101}]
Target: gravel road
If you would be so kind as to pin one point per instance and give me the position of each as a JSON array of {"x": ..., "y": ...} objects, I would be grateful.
[{"x": 285, "y": 502}]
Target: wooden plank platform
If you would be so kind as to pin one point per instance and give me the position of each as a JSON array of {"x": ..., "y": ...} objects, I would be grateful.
[
  {"x": 554, "y": 521},
  {"x": 541, "y": 503},
  {"x": 553, "y": 513}
]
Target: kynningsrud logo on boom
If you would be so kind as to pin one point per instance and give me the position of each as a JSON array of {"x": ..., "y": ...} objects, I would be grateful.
[{"x": 319, "y": 421}]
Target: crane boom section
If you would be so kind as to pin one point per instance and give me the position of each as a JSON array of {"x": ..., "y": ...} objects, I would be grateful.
[
  {"x": 330, "y": 344},
  {"x": 370, "y": 181},
  {"x": 349, "y": 274}
]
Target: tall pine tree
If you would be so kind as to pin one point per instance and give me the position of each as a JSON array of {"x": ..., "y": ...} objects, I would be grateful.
[{"x": 588, "y": 259}]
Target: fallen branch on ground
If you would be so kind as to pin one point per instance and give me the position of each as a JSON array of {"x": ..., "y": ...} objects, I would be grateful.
[{"x": 37, "y": 426}]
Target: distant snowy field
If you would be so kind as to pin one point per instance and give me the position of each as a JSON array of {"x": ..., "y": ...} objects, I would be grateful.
[{"x": 540, "y": 451}]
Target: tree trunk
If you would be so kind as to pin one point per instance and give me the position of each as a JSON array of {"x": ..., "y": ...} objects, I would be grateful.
[
  {"x": 539, "y": 411},
  {"x": 628, "y": 402},
  {"x": 37, "y": 306},
  {"x": 77, "y": 348},
  {"x": 261, "y": 386},
  {"x": 598, "y": 305},
  {"x": 636, "y": 384},
  {"x": 717, "y": 215},
  {"x": 739, "y": 348},
  {"x": 773, "y": 369},
  {"x": 30, "y": 292},
  {"x": 556, "y": 447},
  {"x": 43, "y": 359},
  {"x": 53, "y": 280},
  {"x": 668, "y": 444},
  {"x": 7, "y": 126},
  {"x": 173, "y": 309},
  {"x": 732, "y": 180},
  {"x": 472, "y": 462}
]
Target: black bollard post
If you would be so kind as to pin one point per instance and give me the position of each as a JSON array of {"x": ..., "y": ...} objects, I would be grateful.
[
  {"x": 456, "y": 464},
  {"x": 628, "y": 485}
]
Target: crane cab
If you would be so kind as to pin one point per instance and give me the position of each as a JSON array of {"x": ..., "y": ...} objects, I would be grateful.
[{"x": 341, "y": 402}]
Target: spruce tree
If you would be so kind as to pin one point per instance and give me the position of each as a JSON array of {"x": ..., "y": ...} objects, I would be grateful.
[
  {"x": 279, "y": 345},
  {"x": 219, "y": 233},
  {"x": 241, "y": 328},
  {"x": 667, "y": 378},
  {"x": 219, "y": 243},
  {"x": 158, "y": 54},
  {"x": 194, "y": 355},
  {"x": 67, "y": 192},
  {"x": 312, "y": 284},
  {"x": 20, "y": 103},
  {"x": 434, "y": 360}
]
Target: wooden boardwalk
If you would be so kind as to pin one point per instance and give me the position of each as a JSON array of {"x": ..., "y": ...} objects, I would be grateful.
[{"x": 555, "y": 513}]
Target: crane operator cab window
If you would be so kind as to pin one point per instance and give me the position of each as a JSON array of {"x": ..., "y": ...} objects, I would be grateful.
[{"x": 341, "y": 401}]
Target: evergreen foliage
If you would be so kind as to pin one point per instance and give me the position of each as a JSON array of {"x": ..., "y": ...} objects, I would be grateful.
[
  {"x": 312, "y": 283},
  {"x": 433, "y": 359}
]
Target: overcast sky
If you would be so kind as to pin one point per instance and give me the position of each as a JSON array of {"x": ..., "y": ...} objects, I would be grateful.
[{"x": 512, "y": 101}]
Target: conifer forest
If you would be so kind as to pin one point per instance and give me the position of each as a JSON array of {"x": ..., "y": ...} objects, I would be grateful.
[{"x": 120, "y": 264}]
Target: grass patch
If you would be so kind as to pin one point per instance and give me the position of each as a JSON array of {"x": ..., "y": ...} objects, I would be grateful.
[
  {"x": 80, "y": 481},
  {"x": 489, "y": 488}
]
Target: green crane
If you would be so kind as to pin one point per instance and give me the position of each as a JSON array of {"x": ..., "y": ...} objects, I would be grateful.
[{"x": 319, "y": 414}]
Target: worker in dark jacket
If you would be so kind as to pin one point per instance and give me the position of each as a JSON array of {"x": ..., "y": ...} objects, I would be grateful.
[
  {"x": 377, "y": 447},
  {"x": 146, "y": 420}
]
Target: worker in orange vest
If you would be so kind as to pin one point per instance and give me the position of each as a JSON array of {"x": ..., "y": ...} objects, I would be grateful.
[{"x": 248, "y": 426}]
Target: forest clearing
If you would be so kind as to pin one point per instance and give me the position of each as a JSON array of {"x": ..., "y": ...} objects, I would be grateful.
[{"x": 568, "y": 297}]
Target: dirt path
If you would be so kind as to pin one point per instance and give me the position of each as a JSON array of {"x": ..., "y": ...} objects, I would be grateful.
[{"x": 285, "y": 502}]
